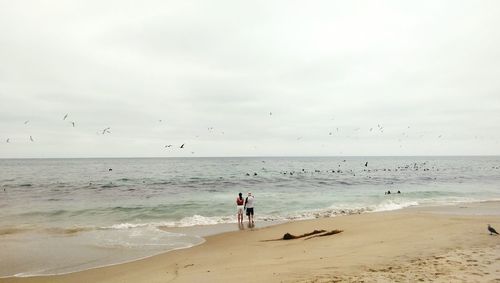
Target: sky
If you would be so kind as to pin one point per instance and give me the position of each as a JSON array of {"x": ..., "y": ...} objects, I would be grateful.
[{"x": 240, "y": 78}]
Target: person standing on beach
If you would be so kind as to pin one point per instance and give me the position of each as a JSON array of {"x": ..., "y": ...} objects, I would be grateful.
[
  {"x": 249, "y": 207},
  {"x": 240, "y": 207}
]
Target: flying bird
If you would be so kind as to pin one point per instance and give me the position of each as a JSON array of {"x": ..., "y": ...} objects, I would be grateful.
[
  {"x": 65, "y": 116},
  {"x": 168, "y": 145},
  {"x": 366, "y": 164},
  {"x": 492, "y": 230},
  {"x": 8, "y": 140},
  {"x": 106, "y": 130},
  {"x": 182, "y": 146},
  {"x": 26, "y": 122},
  {"x": 31, "y": 139},
  {"x": 270, "y": 113},
  {"x": 73, "y": 123}
]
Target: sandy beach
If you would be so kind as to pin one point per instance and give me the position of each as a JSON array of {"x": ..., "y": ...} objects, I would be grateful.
[{"x": 442, "y": 244}]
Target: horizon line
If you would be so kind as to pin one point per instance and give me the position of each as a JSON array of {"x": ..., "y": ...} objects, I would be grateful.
[{"x": 246, "y": 156}]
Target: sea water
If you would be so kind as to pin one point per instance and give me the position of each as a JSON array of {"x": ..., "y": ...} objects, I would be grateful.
[{"x": 64, "y": 215}]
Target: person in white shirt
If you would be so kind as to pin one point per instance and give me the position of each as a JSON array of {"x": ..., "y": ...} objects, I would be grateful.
[{"x": 249, "y": 207}]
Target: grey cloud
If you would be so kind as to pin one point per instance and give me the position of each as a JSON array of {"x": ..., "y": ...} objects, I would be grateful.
[{"x": 226, "y": 64}]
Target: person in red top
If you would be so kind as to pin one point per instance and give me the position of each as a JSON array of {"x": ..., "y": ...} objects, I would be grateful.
[{"x": 239, "y": 207}]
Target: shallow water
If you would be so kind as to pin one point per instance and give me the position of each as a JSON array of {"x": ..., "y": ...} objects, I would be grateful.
[{"x": 61, "y": 215}]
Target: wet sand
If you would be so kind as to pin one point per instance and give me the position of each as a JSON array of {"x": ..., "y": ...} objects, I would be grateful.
[{"x": 442, "y": 244}]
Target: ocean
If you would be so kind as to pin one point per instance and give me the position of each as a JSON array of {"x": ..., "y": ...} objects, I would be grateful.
[{"x": 64, "y": 215}]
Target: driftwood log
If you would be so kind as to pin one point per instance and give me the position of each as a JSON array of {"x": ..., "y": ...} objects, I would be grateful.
[
  {"x": 307, "y": 236},
  {"x": 333, "y": 232},
  {"x": 289, "y": 236}
]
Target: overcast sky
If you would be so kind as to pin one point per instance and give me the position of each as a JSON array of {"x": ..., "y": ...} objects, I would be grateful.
[{"x": 249, "y": 78}]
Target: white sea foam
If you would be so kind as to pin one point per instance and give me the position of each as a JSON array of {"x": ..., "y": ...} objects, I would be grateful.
[
  {"x": 337, "y": 210},
  {"x": 122, "y": 226},
  {"x": 197, "y": 220},
  {"x": 393, "y": 205}
]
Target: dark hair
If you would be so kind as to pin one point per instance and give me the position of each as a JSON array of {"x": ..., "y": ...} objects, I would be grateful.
[{"x": 241, "y": 196}]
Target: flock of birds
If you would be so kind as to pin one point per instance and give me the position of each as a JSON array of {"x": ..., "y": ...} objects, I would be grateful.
[
  {"x": 405, "y": 134},
  {"x": 31, "y": 139},
  {"x": 104, "y": 131},
  {"x": 420, "y": 166}
]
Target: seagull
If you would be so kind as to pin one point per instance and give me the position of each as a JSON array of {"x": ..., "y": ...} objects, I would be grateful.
[
  {"x": 73, "y": 123},
  {"x": 65, "y": 116},
  {"x": 31, "y": 139},
  {"x": 106, "y": 130},
  {"x": 168, "y": 145},
  {"x": 492, "y": 230},
  {"x": 182, "y": 146}
]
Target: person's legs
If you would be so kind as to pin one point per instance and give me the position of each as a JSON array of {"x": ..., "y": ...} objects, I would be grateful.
[{"x": 248, "y": 214}]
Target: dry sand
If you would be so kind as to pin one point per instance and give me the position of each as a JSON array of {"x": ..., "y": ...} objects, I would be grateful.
[{"x": 423, "y": 244}]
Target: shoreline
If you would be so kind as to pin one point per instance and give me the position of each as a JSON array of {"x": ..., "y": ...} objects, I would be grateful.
[
  {"x": 204, "y": 231},
  {"x": 251, "y": 239}
]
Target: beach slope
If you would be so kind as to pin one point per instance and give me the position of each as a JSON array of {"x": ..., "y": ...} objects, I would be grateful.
[{"x": 420, "y": 244}]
